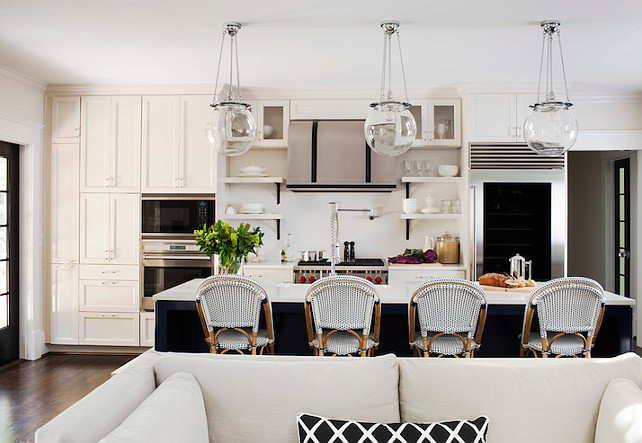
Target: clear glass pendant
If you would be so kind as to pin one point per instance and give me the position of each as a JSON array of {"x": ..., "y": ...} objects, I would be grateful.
[
  {"x": 390, "y": 129},
  {"x": 231, "y": 128},
  {"x": 550, "y": 129}
]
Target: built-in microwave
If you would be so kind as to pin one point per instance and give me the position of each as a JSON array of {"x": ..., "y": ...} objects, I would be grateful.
[{"x": 175, "y": 215}]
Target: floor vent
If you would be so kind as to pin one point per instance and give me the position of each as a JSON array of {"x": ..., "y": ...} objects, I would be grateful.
[{"x": 515, "y": 156}]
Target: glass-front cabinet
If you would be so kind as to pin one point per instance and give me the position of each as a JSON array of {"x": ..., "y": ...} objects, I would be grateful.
[
  {"x": 272, "y": 120},
  {"x": 438, "y": 122}
]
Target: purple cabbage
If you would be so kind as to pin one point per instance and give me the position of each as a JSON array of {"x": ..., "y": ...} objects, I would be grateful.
[
  {"x": 430, "y": 256},
  {"x": 405, "y": 259}
]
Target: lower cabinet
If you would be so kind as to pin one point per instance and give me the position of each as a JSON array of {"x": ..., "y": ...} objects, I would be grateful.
[
  {"x": 63, "y": 304},
  {"x": 105, "y": 295},
  {"x": 147, "y": 328},
  {"x": 412, "y": 278},
  {"x": 114, "y": 329}
]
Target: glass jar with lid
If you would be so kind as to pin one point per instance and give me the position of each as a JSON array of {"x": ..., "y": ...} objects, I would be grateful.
[{"x": 447, "y": 248}]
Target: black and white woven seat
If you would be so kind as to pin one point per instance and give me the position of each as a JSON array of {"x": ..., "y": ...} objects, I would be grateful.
[
  {"x": 229, "y": 307},
  {"x": 569, "y": 311},
  {"x": 451, "y": 314},
  {"x": 338, "y": 314}
]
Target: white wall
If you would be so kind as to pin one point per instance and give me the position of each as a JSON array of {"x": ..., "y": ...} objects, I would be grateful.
[{"x": 22, "y": 122}]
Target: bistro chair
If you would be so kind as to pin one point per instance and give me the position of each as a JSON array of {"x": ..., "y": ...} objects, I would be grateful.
[
  {"x": 451, "y": 314},
  {"x": 338, "y": 316},
  {"x": 570, "y": 311},
  {"x": 229, "y": 307}
]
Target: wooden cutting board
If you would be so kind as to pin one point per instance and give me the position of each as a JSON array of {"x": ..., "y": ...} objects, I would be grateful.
[
  {"x": 428, "y": 265},
  {"x": 525, "y": 290}
]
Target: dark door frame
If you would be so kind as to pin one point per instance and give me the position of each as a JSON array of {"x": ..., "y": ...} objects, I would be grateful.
[{"x": 625, "y": 164}]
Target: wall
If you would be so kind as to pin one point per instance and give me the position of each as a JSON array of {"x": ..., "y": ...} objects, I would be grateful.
[{"x": 22, "y": 122}]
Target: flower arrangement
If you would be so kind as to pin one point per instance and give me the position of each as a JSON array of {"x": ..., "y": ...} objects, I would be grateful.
[{"x": 229, "y": 243}]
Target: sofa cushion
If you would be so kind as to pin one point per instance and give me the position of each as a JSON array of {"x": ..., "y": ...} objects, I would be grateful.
[
  {"x": 173, "y": 412},
  {"x": 257, "y": 399},
  {"x": 552, "y": 400},
  {"x": 620, "y": 417},
  {"x": 313, "y": 428}
]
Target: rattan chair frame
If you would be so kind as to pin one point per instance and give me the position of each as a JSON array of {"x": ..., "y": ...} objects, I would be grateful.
[
  {"x": 213, "y": 332},
  {"x": 591, "y": 287},
  {"x": 472, "y": 339},
  {"x": 322, "y": 334}
]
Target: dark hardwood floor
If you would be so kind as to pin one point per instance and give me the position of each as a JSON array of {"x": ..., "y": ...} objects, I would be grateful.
[{"x": 34, "y": 392}]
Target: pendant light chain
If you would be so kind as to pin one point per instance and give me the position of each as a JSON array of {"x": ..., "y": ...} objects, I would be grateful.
[
  {"x": 238, "y": 76},
  {"x": 550, "y": 95},
  {"x": 388, "y": 40},
  {"x": 403, "y": 71},
  {"x": 230, "y": 95},
  {"x": 218, "y": 67},
  {"x": 559, "y": 41},
  {"x": 541, "y": 67},
  {"x": 383, "y": 70}
]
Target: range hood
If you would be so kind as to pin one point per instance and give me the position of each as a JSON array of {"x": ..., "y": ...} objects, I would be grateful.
[{"x": 333, "y": 156}]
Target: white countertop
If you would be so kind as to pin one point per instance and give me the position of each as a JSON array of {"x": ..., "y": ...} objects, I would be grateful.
[{"x": 398, "y": 294}]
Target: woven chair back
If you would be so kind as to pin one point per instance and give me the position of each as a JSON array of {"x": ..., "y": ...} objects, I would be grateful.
[
  {"x": 342, "y": 302},
  {"x": 569, "y": 305},
  {"x": 448, "y": 305},
  {"x": 231, "y": 301}
]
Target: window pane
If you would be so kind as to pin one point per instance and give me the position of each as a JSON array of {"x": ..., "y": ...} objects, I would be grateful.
[
  {"x": 3, "y": 173},
  {"x": 3, "y": 243},
  {"x": 3, "y": 208},
  {"x": 621, "y": 190},
  {"x": 4, "y": 269},
  {"x": 622, "y": 244},
  {"x": 4, "y": 311},
  {"x": 623, "y": 286},
  {"x": 622, "y": 215}
]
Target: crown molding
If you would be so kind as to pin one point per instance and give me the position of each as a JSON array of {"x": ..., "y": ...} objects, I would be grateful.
[{"x": 22, "y": 78}]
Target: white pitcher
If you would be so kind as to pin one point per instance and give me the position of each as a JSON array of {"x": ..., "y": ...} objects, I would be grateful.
[{"x": 429, "y": 243}]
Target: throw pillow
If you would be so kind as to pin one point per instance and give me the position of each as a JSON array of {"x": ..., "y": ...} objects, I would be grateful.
[
  {"x": 620, "y": 416},
  {"x": 175, "y": 411},
  {"x": 315, "y": 429}
]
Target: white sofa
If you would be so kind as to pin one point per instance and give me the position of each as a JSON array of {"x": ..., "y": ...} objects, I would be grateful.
[{"x": 250, "y": 399}]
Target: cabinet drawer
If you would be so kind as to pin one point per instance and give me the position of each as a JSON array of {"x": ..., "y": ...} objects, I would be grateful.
[
  {"x": 105, "y": 295},
  {"x": 420, "y": 275},
  {"x": 270, "y": 277},
  {"x": 109, "y": 272},
  {"x": 109, "y": 329},
  {"x": 147, "y": 328}
]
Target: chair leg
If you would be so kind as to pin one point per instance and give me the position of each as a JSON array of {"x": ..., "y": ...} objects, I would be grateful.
[
  {"x": 271, "y": 348},
  {"x": 522, "y": 351}
]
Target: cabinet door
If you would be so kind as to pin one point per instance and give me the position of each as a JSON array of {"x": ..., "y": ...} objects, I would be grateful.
[
  {"x": 160, "y": 144},
  {"x": 95, "y": 155},
  {"x": 492, "y": 118},
  {"x": 94, "y": 228},
  {"x": 105, "y": 295},
  {"x": 419, "y": 111},
  {"x": 65, "y": 119},
  {"x": 523, "y": 110},
  {"x": 65, "y": 204},
  {"x": 110, "y": 329},
  {"x": 198, "y": 157},
  {"x": 147, "y": 328},
  {"x": 444, "y": 123},
  {"x": 125, "y": 157},
  {"x": 125, "y": 228},
  {"x": 272, "y": 119},
  {"x": 63, "y": 305}
]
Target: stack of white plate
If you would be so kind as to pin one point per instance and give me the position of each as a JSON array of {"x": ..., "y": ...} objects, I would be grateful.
[
  {"x": 252, "y": 208},
  {"x": 252, "y": 171}
]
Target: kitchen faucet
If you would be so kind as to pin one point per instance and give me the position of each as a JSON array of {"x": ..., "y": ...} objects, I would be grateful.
[{"x": 334, "y": 231}]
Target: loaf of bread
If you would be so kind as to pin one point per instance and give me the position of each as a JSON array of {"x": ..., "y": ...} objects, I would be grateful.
[{"x": 499, "y": 280}]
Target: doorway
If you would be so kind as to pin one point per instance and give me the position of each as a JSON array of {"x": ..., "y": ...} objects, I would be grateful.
[
  {"x": 622, "y": 218},
  {"x": 9, "y": 250}
]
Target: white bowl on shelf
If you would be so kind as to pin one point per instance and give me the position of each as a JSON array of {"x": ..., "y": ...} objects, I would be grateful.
[
  {"x": 448, "y": 170},
  {"x": 252, "y": 170},
  {"x": 252, "y": 206},
  {"x": 409, "y": 205}
]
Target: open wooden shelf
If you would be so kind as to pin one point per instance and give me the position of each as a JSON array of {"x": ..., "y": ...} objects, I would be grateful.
[
  {"x": 250, "y": 180},
  {"x": 431, "y": 179},
  {"x": 252, "y": 216}
]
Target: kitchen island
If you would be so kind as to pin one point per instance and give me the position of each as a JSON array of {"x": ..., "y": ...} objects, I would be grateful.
[{"x": 178, "y": 327}]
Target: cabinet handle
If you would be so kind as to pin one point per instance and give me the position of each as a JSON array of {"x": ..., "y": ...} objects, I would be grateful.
[
  {"x": 112, "y": 253},
  {"x": 113, "y": 283},
  {"x": 107, "y": 182},
  {"x": 176, "y": 182},
  {"x": 103, "y": 282}
]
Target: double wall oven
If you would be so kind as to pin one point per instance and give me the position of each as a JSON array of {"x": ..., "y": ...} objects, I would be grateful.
[{"x": 168, "y": 249}]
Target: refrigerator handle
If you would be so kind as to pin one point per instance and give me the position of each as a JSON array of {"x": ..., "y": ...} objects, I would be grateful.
[{"x": 473, "y": 212}]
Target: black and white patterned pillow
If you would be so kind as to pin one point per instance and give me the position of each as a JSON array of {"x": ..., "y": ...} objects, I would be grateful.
[{"x": 315, "y": 429}]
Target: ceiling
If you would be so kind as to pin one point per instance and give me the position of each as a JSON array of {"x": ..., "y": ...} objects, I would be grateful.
[{"x": 333, "y": 44}]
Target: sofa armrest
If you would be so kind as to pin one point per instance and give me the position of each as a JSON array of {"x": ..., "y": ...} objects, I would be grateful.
[
  {"x": 620, "y": 416},
  {"x": 102, "y": 410}
]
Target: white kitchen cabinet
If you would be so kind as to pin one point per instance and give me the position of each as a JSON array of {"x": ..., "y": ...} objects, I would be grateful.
[
  {"x": 438, "y": 122},
  {"x": 63, "y": 305},
  {"x": 65, "y": 119},
  {"x": 110, "y": 272},
  {"x": 109, "y": 228},
  {"x": 177, "y": 156},
  {"x": 497, "y": 117},
  {"x": 411, "y": 277},
  {"x": 64, "y": 203},
  {"x": 109, "y": 328},
  {"x": 147, "y": 328},
  {"x": 110, "y": 144},
  {"x": 108, "y": 295},
  {"x": 325, "y": 109},
  {"x": 272, "y": 121}
]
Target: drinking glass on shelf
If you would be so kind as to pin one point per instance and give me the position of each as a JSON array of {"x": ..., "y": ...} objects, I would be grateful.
[
  {"x": 455, "y": 206},
  {"x": 406, "y": 167},
  {"x": 446, "y": 207},
  {"x": 428, "y": 166},
  {"x": 420, "y": 167}
]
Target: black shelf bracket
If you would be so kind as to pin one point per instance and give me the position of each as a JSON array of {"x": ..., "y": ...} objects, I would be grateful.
[
  {"x": 278, "y": 193},
  {"x": 278, "y": 229},
  {"x": 407, "y": 220}
]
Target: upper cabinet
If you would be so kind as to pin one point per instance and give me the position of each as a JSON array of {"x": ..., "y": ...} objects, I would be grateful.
[
  {"x": 177, "y": 156},
  {"x": 65, "y": 119},
  {"x": 272, "y": 119},
  {"x": 497, "y": 117},
  {"x": 438, "y": 123},
  {"x": 110, "y": 144},
  {"x": 65, "y": 203}
]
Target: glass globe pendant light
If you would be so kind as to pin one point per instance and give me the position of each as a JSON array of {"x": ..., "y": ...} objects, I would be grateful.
[
  {"x": 551, "y": 128},
  {"x": 231, "y": 128},
  {"x": 390, "y": 128}
]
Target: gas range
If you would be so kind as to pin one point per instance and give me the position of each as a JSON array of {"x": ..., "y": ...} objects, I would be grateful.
[{"x": 372, "y": 269}]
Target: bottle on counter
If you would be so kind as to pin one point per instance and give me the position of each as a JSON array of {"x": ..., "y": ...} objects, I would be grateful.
[
  {"x": 284, "y": 257},
  {"x": 289, "y": 249}
]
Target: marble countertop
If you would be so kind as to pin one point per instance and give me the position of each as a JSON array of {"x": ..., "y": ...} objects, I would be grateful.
[{"x": 397, "y": 294}]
